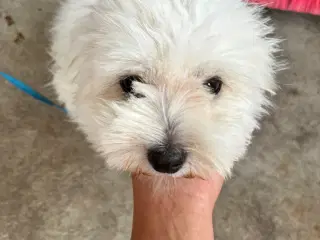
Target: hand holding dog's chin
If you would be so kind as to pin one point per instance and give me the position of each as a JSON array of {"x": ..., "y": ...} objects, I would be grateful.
[{"x": 182, "y": 209}]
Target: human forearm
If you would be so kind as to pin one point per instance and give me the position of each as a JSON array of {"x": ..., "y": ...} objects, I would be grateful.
[{"x": 181, "y": 212}]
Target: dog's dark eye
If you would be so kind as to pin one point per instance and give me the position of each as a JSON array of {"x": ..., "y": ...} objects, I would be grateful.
[
  {"x": 214, "y": 84},
  {"x": 127, "y": 82}
]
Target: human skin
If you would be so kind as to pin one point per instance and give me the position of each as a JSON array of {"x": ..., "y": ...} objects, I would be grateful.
[{"x": 182, "y": 210}]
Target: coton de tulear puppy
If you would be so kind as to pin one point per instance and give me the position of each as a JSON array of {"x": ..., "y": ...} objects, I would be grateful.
[{"x": 165, "y": 87}]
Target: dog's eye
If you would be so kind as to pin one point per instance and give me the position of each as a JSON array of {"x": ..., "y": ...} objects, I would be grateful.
[
  {"x": 127, "y": 82},
  {"x": 214, "y": 84}
]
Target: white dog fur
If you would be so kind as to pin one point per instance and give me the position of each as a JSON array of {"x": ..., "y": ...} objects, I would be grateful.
[{"x": 174, "y": 46}]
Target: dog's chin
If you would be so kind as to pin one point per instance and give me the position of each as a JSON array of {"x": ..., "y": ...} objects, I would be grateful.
[{"x": 138, "y": 173}]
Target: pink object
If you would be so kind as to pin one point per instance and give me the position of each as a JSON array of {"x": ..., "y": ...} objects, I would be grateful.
[{"x": 304, "y": 6}]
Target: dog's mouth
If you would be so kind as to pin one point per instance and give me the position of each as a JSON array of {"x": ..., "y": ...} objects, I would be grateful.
[{"x": 189, "y": 175}]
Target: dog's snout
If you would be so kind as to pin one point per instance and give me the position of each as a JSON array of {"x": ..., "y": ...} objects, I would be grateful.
[{"x": 167, "y": 159}]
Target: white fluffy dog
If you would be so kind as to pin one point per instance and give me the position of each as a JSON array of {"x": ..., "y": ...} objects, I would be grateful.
[{"x": 165, "y": 87}]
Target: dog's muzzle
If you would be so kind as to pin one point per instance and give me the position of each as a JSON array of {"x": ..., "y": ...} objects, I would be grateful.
[{"x": 168, "y": 159}]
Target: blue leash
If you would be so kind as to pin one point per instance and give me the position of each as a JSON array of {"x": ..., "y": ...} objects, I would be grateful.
[{"x": 28, "y": 90}]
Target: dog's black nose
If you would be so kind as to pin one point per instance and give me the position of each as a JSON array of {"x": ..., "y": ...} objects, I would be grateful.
[{"x": 167, "y": 159}]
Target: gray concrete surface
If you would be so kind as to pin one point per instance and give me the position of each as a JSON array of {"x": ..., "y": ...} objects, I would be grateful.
[{"x": 52, "y": 186}]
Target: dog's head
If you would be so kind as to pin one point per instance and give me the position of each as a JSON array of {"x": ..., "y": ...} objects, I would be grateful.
[{"x": 181, "y": 84}]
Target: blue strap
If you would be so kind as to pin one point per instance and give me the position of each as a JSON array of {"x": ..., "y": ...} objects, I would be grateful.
[{"x": 28, "y": 90}]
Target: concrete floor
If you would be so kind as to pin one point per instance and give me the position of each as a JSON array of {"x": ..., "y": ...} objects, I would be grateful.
[{"x": 52, "y": 186}]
